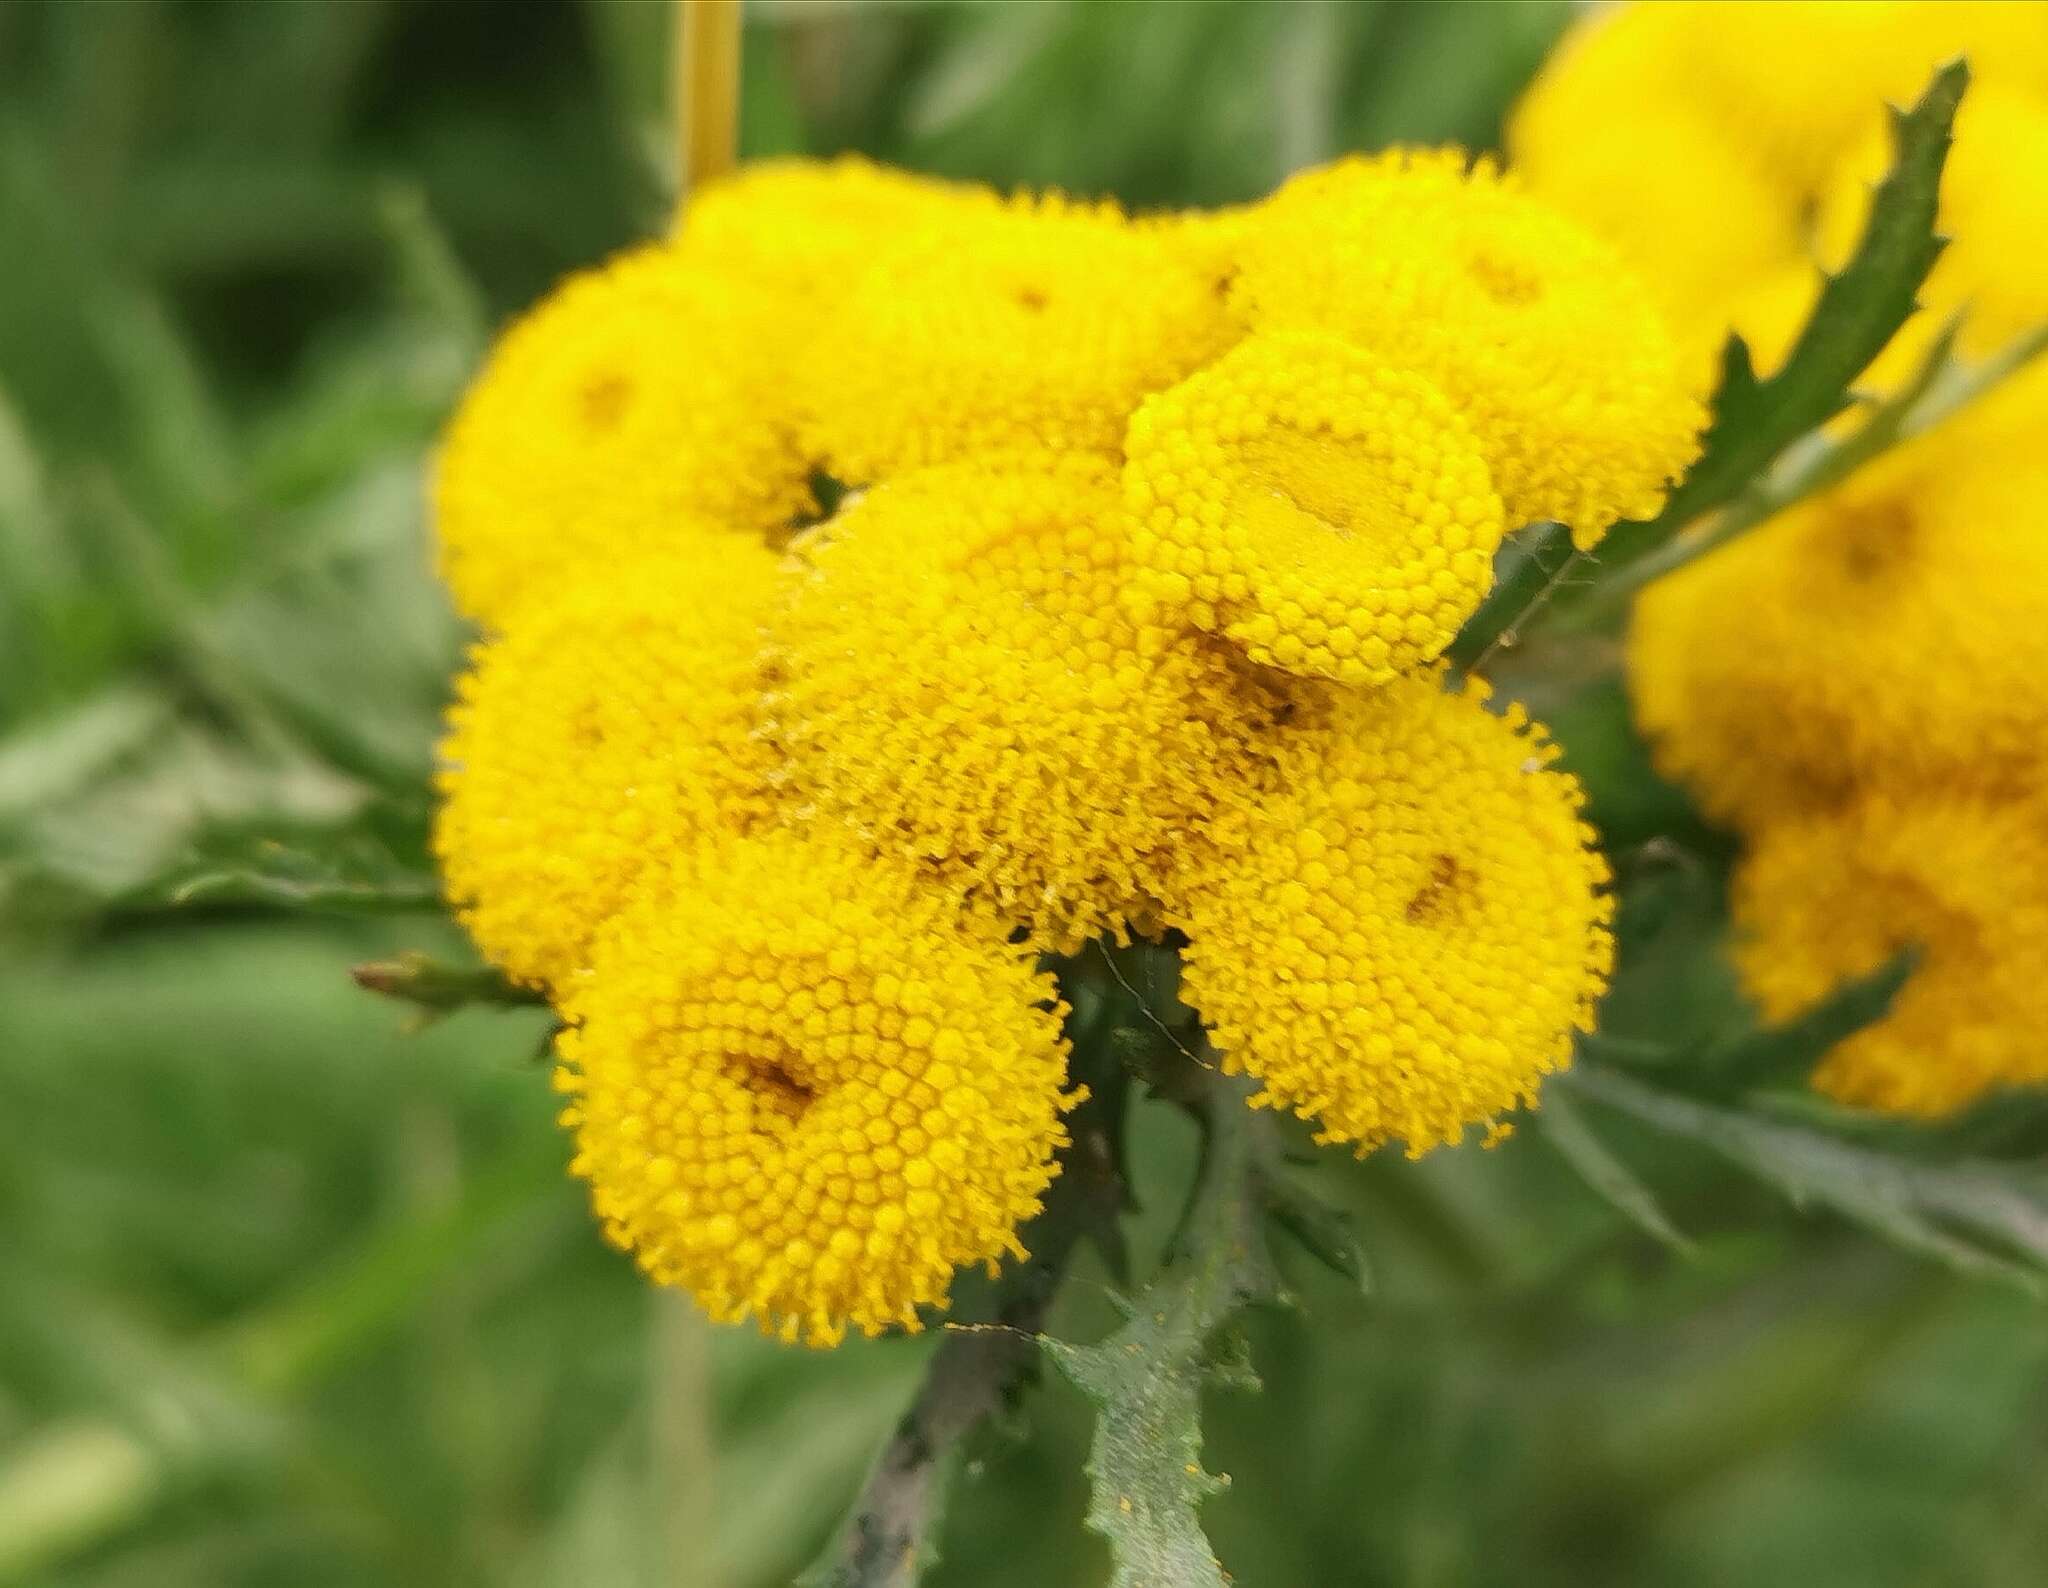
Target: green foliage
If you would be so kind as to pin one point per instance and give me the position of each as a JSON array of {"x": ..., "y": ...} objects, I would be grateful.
[{"x": 1977, "y": 1218}]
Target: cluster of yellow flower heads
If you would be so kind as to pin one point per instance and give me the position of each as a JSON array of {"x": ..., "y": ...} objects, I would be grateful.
[
  {"x": 1118, "y": 611},
  {"x": 1856, "y": 686},
  {"x": 1728, "y": 151}
]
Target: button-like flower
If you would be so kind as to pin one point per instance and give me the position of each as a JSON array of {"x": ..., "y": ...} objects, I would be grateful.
[
  {"x": 1416, "y": 927},
  {"x": 1332, "y": 516},
  {"x": 603, "y": 738},
  {"x": 1039, "y": 324},
  {"x": 803, "y": 1094},
  {"x": 638, "y": 406},
  {"x": 955, "y": 677},
  {"x": 1556, "y": 357}
]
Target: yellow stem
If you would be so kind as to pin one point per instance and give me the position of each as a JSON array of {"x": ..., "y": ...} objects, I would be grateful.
[{"x": 707, "y": 89}]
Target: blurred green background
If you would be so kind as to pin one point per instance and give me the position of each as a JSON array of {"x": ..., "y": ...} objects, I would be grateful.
[{"x": 289, "y": 1296}]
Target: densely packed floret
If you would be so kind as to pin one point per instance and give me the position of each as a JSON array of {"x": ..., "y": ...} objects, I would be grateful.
[
  {"x": 1116, "y": 611},
  {"x": 1847, "y": 681}
]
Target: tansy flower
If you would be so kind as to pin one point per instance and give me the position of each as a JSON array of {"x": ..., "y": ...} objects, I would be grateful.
[
  {"x": 638, "y": 407},
  {"x": 1613, "y": 134},
  {"x": 1536, "y": 333},
  {"x": 603, "y": 738},
  {"x": 801, "y": 1094},
  {"x": 1893, "y": 631},
  {"x": 1329, "y": 514},
  {"x": 804, "y": 230},
  {"x": 1039, "y": 324},
  {"x": 1962, "y": 880},
  {"x": 955, "y": 678},
  {"x": 1414, "y": 931}
]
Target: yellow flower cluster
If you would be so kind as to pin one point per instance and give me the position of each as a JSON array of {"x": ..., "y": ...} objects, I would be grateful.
[
  {"x": 1727, "y": 150},
  {"x": 1854, "y": 686},
  {"x": 1126, "y": 621}
]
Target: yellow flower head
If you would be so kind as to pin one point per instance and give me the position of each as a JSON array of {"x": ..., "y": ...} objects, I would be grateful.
[
  {"x": 1836, "y": 896},
  {"x": 1415, "y": 929},
  {"x": 804, "y": 1097},
  {"x": 1893, "y": 631},
  {"x": 1330, "y": 515},
  {"x": 1039, "y": 324},
  {"x": 955, "y": 676},
  {"x": 599, "y": 741},
  {"x": 1612, "y": 133},
  {"x": 1994, "y": 210},
  {"x": 804, "y": 229},
  {"x": 639, "y": 406},
  {"x": 1536, "y": 332}
]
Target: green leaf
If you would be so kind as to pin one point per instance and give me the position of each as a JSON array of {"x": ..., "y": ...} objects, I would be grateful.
[
  {"x": 1793, "y": 1048},
  {"x": 1859, "y": 312},
  {"x": 1146, "y": 1379},
  {"x": 1323, "y": 1230},
  {"x": 1755, "y": 420},
  {"x": 352, "y": 865},
  {"x": 1980, "y": 1218},
  {"x": 1560, "y": 1123}
]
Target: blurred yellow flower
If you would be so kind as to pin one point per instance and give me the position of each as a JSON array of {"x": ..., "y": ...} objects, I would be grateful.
[
  {"x": 1893, "y": 632},
  {"x": 1701, "y": 140},
  {"x": 1994, "y": 211},
  {"x": 1962, "y": 880}
]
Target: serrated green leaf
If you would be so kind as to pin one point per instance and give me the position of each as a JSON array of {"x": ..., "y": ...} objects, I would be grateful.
[
  {"x": 1324, "y": 1231},
  {"x": 1980, "y": 1218},
  {"x": 1560, "y": 1123},
  {"x": 1755, "y": 420},
  {"x": 1860, "y": 310},
  {"x": 1146, "y": 1379}
]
